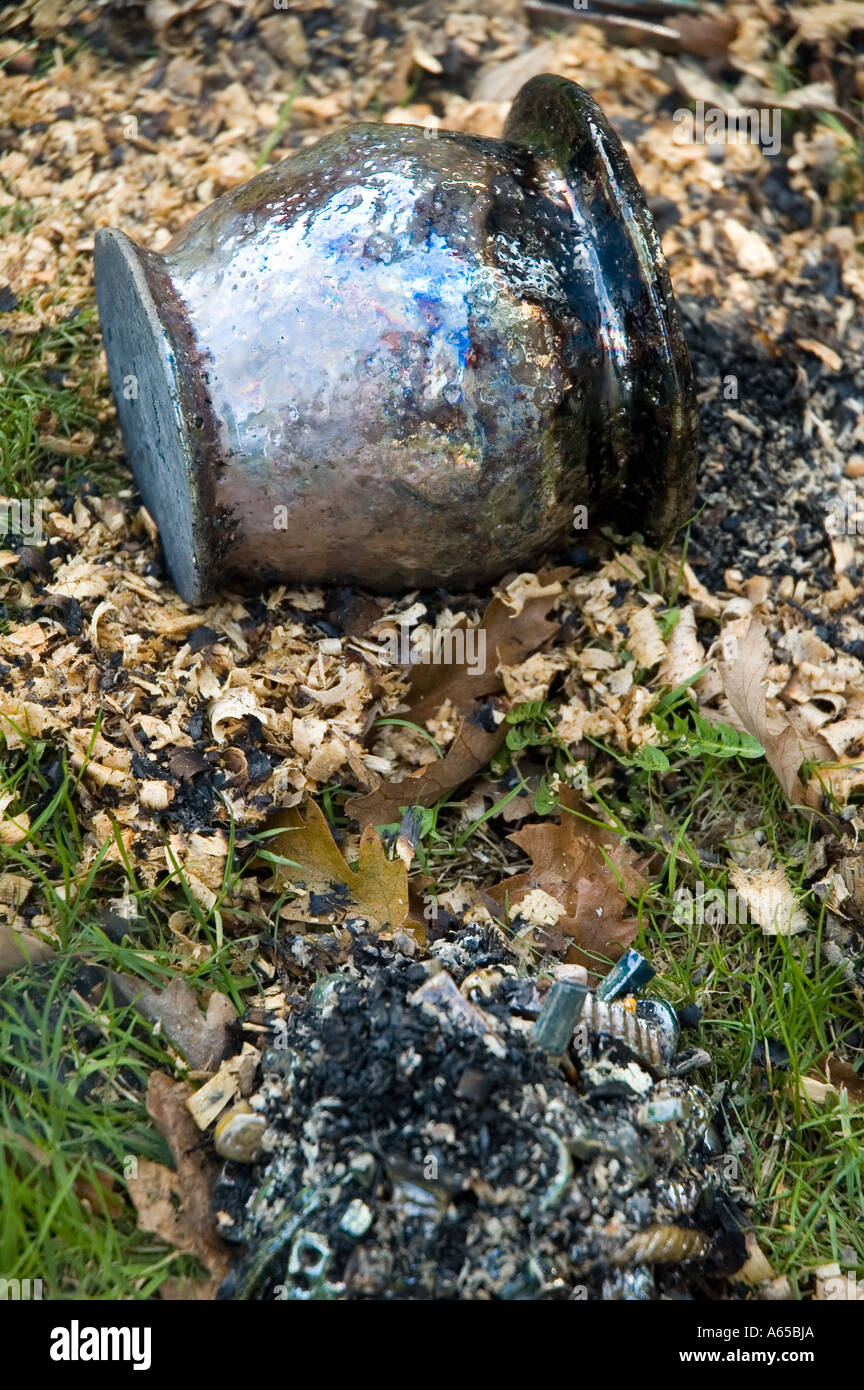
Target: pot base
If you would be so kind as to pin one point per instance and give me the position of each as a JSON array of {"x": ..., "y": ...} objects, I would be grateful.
[{"x": 143, "y": 371}]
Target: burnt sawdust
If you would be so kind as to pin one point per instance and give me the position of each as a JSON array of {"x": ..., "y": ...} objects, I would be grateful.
[
  {"x": 767, "y": 476},
  {"x": 415, "y": 1159},
  {"x": 176, "y": 738}
]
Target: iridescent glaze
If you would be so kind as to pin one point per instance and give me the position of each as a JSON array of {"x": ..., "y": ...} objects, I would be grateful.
[{"x": 401, "y": 360}]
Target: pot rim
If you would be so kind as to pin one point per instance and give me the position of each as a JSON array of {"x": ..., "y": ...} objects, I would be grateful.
[{"x": 560, "y": 122}]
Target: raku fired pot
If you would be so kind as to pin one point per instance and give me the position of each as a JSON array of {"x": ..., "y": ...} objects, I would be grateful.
[{"x": 402, "y": 361}]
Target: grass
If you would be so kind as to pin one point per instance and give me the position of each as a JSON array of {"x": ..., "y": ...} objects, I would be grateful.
[
  {"x": 52, "y": 387},
  {"x": 62, "y": 1221},
  {"x": 801, "y": 1160},
  {"x": 73, "y": 1118}
]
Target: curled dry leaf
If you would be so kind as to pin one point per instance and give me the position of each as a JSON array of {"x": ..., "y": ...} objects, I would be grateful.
[
  {"x": 685, "y": 655},
  {"x": 176, "y": 1204},
  {"x": 237, "y": 704},
  {"x": 590, "y": 872},
  {"x": 376, "y": 890},
  {"x": 512, "y": 632},
  {"x": 470, "y": 750},
  {"x": 743, "y": 671},
  {"x": 837, "y": 1076},
  {"x": 770, "y": 899},
  {"x": 202, "y": 1038},
  {"x": 646, "y": 641},
  {"x": 756, "y": 1268},
  {"x": 18, "y": 948},
  {"x": 13, "y": 828}
]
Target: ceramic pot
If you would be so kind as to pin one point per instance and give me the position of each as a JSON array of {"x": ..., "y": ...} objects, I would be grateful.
[{"x": 401, "y": 358}]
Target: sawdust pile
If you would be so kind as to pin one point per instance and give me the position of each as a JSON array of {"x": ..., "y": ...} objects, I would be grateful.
[{"x": 180, "y": 721}]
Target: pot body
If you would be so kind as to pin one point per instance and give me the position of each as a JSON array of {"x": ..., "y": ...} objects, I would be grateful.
[{"x": 402, "y": 361}]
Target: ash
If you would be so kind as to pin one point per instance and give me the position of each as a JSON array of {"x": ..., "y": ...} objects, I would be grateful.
[{"x": 429, "y": 1150}]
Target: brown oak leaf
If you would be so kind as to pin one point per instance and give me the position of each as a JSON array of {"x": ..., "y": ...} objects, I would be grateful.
[
  {"x": 590, "y": 872},
  {"x": 176, "y": 1204},
  {"x": 743, "y": 676},
  {"x": 201, "y": 1037},
  {"x": 470, "y": 750},
  {"x": 510, "y": 637},
  {"x": 841, "y": 1076},
  {"x": 377, "y": 888}
]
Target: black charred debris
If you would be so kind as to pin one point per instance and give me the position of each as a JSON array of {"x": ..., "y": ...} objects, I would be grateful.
[{"x": 421, "y": 1145}]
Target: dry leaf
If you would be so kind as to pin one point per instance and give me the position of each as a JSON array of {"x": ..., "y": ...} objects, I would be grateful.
[
  {"x": 837, "y": 1076},
  {"x": 815, "y": 1089},
  {"x": 210, "y": 1100},
  {"x": 850, "y": 869},
  {"x": 470, "y": 750},
  {"x": 752, "y": 252},
  {"x": 582, "y": 866},
  {"x": 511, "y": 636},
  {"x": 377, "y": 889},
  {"x": 645, "y": 641},
  {"x": 19, "y": 948},
  {"x": 705, "y": 35},
  {"x": 829, "y": 21},
  {"x": 743, "y": 676},
  {"x": 201, "y": 1038},
  {"x": 14, "y": 889},
  {"x": 100, "y": 1196},
  {"x": 685, "y": 655},
  {"x": 13, "y": 829},
  {"x": 756, "y": 1269},
  {"x": 188, "y": 1290},
  {"x": 770, "y": 899},
  {"x": 177, "y": 1205},
  {"x": 695, "y": 590}
]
